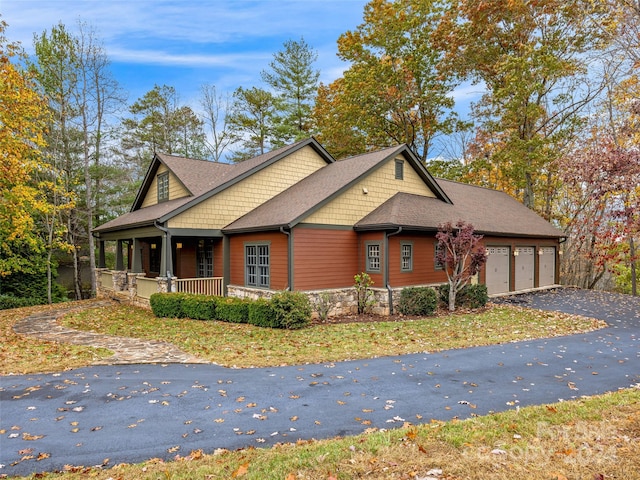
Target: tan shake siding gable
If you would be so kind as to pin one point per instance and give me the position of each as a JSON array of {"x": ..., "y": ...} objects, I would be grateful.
[
  {"x": 324, "y": 258},
  {"x": 235, "y": 201},
  {"x": 176, "y": 190},
  {"x": 380, "y": 185}
]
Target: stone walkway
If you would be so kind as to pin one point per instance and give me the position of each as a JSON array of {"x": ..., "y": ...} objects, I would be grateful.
[{"x": 46, "y": 326}]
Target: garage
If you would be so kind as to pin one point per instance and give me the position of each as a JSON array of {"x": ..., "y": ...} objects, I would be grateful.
[
  {"x": 547, "y": 275},
  {"x": 497, "y": 270},
  {"x": 525, "y": 267}
]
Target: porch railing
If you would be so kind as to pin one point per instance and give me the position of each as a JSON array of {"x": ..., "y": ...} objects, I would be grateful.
[{"x": 204, "y": 286}]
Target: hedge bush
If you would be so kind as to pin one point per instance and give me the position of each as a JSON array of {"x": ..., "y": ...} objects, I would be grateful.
[
  {"x": 289, "y": 310},
  {"x": 417, "y": 301},
  {"x": 476, "y": 296},
  {"x": 234, "y": 310},
  {"x": 292, "y": 309},
  {"x": 471, "y": 296},
  {"x": 262, "y": 313},
  {"x": 9, "y": 301},
  {"x": 199, "y": 307},
  {"x": 167, "y": 305}
]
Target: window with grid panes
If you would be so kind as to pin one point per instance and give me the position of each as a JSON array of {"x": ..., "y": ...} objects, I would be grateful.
[
  {"x": 373, "y": 257},
  {"x": 205, "y": 259},
  {"x": 257, "y": 265},
  {"x": 163, "y": 187},
  {"x": 406, "y": 257}
]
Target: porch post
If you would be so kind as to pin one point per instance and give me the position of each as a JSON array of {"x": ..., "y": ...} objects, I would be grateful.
[
  {"x": 226, "y": 261},
  {"x": 136, "y": 264},
  {"x": 119, "y": 259},
  {"x": 166, "y": 261},
  {"x": 102, "y": 263}
]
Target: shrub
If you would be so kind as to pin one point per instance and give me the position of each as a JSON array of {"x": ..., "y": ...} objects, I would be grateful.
[
  {"x": 235, "y": 310},
  {"x": 167, "y": 305},
  {"x": 476, "y": 296},
  {"x": 262, "y": 313},
  {"x": 417, "y": 301},
  {"x": 9, "y": 301},
  {"x": 292, "y": 309},
  {"x": 199, "y": 307},
  {"x": 471, "y": 296},
  {"x": 364, "y": 294},
  {"x": 324, "y": 305}
]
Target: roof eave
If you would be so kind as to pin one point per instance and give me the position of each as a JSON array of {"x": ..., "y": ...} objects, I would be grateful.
[
  {"x": 128, "y": 226},
  {"x": 261, "y": 228}
]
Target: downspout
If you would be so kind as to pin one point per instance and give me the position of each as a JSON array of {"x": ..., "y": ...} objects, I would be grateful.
[
  {"x": 289, "y": 258},
  {"x": 386, "y": 266},
  {"x": 167, "y": 253}
]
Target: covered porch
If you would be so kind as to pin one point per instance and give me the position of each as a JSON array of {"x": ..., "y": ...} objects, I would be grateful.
[{"x": 133, "y": 264}]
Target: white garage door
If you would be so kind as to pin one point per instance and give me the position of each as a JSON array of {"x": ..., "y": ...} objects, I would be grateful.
[
  {"x": 497, "y": 268},
  {"x": 525, "y": 266},
  {"x": 548, "y": 266}
]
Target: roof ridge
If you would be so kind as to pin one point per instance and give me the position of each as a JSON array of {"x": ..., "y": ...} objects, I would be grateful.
[{"x": 399, "y": 146}]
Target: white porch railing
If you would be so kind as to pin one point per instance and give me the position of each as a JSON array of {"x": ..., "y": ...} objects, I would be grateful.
[
  {"x": 204, "y": 286},
  {"x": 146, "y": 287}
]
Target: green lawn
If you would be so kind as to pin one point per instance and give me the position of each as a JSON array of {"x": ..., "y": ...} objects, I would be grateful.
[{"x": 242, "y": 345}]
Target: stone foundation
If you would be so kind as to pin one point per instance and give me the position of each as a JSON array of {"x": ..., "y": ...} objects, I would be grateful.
[
  {"x": 335, "y": 301},
  {"x": 338, "y": 301}
]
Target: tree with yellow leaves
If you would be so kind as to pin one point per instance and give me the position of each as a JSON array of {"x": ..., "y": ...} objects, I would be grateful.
[{"x": 24, "y": 187}]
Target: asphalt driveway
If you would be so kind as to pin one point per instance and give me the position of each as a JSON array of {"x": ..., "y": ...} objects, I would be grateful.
[{"x": 115, "y": 414}]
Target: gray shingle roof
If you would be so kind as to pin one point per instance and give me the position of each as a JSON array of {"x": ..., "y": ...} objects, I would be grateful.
[
  {"x": 490, "y": 212},
  {"x": 142, "y": 216},
  {"x": 201, "y": 178},
  {"x": 197, "y": 176}
]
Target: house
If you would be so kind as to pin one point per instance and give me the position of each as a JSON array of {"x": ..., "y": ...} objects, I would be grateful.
[{"x": 295, "y": 218}]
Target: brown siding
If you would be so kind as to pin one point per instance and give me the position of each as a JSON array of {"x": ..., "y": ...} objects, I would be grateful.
[
  {"x": 186, "y": 259},
  {"x": 365, "y": 238},
  {"x": 324, "y": 258},
  {"x": 218, "y": 259},
  {"x": 278, "y": 261},
  {"x": 424, "y": 271}
]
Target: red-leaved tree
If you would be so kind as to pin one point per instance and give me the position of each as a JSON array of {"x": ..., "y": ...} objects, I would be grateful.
[{"x": 461, "y": 254}]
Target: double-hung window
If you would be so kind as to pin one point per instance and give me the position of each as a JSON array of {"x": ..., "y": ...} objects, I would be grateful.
[
  {"x": 163, "y": 187},
  {"x": 406, "y": 257},
  {"x": 257, "y": 265},
  {"x": 373, "y": 257}
]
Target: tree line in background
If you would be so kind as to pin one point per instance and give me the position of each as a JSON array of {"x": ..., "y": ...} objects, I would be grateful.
[{"x": 557, "y": 125}]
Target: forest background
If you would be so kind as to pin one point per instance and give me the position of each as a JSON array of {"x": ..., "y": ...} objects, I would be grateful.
[{"x": 557, "y": 125}]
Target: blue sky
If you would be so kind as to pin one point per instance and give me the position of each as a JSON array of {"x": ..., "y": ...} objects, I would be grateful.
[{"x": 185, "y": 43}]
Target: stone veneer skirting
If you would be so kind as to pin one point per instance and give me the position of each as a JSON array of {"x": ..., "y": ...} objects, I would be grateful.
[{"x": 342, "y": 301}]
